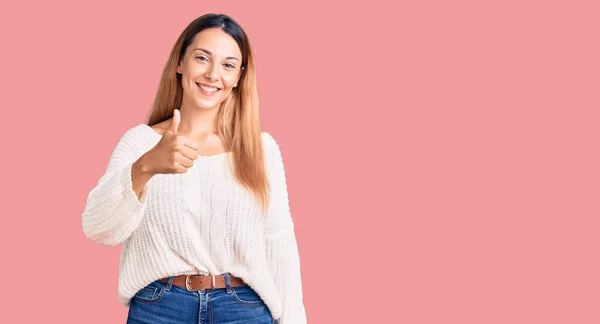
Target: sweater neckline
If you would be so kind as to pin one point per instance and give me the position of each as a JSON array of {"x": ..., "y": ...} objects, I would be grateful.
[{"x": 205, "y": 157}]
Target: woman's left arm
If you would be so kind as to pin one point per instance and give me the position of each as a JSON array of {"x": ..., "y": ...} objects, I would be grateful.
[{"x": 280, "y": 239}]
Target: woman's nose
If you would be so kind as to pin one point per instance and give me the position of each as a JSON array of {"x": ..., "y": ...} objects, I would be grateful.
[{"x": 211, "y": 73}]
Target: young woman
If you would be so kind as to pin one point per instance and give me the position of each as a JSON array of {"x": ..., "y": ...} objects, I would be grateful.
[{"x": 197, "y": 196}]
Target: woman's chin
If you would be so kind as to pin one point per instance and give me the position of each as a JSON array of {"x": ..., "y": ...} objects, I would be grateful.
[{"x": 207, "y": 105}]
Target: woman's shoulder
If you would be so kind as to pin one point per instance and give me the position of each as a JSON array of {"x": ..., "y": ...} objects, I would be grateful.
[
  {"x": 139, "y": 133},
  {"x": 268, "y": 139},
  {"x": 161, "y": 127},
  {"x": 271, "y": 146},
  {"x": 269, "y": 142}
]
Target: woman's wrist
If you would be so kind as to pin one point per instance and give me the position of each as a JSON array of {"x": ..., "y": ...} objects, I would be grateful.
[{"x": 140, "y": 174}]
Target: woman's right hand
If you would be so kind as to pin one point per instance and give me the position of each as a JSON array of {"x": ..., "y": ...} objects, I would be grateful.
[{"x": 173, "y": 153}]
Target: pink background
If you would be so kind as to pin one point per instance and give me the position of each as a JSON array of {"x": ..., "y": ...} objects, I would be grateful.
[{"x": 442, "y": 157}]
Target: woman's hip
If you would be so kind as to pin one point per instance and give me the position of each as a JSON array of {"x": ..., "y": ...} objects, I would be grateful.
[{"x": 199, "y": 300}]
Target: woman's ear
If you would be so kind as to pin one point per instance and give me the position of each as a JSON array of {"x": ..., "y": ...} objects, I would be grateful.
[{"x": 180, "y": 66}]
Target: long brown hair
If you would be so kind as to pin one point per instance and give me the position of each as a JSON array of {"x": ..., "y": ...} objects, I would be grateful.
[{"x": 238, "y": 121}]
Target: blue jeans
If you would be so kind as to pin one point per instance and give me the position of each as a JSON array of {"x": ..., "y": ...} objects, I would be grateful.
[{"x": 161, "y": 302}]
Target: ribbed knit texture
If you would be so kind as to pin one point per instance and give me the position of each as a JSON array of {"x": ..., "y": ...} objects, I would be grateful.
[{"x": 199, "y": 222}]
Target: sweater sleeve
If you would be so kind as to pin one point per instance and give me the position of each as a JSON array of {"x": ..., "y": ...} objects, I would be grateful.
[
  {"x": 113, "y": 210},
  {"x": 280, "y": 239}
]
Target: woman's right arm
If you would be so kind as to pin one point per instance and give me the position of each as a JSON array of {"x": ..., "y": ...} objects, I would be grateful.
[{"x": 115, "y": 206}]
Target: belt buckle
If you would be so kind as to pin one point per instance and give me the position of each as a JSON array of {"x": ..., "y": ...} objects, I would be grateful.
[{"x": 187, "y": 283}]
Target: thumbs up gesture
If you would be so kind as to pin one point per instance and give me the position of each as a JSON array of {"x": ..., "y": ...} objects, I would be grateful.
[{"x": 173, "y": 153}]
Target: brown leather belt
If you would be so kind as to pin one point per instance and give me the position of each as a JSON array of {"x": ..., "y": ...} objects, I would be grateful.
[{"x": 202, "y": 282}]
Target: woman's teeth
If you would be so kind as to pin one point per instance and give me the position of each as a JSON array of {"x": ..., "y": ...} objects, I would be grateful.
[{"x": 208, "y": 89}]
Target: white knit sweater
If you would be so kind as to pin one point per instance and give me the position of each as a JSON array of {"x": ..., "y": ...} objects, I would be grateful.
[{"x": 198, "y": 222}]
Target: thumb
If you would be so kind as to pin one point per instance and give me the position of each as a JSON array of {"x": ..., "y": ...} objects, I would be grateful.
[{"x": 175, "y": 122}]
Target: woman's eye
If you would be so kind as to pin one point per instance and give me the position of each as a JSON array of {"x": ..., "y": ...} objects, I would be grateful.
[
  {"x": 201, "y": 57},
  {"x": 229, "y": 65}
]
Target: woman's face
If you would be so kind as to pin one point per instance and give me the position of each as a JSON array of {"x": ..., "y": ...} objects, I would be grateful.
[{"x": 210, "y": 68}]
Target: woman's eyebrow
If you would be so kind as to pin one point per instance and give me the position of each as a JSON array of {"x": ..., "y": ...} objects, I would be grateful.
[{"x": 210, "y": 53}]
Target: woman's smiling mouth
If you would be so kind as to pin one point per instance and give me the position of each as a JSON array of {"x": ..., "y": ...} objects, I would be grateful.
[{"x": 207, "y": 90}]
